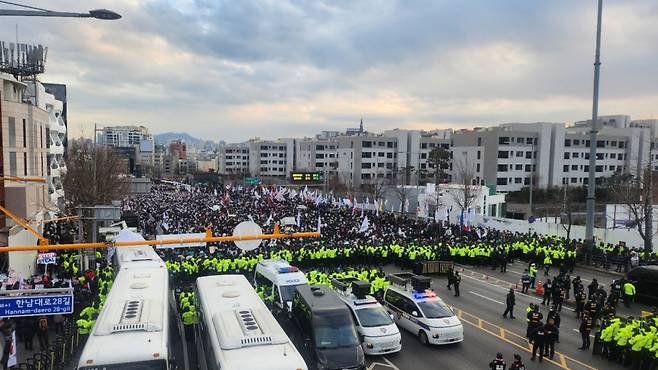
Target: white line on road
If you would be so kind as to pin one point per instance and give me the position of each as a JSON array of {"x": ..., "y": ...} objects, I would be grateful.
[
  {"x": 517, "y": 292},
  {"x": 485, "y": 297},
  {"x": 578, "y": 331},
  {"x": 391, "y": 364}
]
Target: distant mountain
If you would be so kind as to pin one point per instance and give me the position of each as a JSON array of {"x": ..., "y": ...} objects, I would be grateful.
[{"x": 169, "y": 136}]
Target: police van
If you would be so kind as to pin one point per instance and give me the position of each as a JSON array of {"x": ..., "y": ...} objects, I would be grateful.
[
  {"x": 279, "y": 280},
  {"x": 417, "y": 309},
  {"x": 377, "y": 330}
]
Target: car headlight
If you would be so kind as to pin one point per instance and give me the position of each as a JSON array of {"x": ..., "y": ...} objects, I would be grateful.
[
  {"x": 435, "y": 336},
  {"x": 369, "y": 345}
]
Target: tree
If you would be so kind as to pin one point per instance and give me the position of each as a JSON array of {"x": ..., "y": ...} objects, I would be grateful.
[
  {"x": 440, "y": 159},
  {"x": 469, "y": 188},
  {"x": 96, "y": 174},
  {"x": 635, "y": 193},
  {"x": 399, "y": 182},
  {"x": 569, "y": 198}
]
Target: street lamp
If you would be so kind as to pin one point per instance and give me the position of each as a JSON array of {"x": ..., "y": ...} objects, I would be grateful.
[{"x": 103, "y": 14}]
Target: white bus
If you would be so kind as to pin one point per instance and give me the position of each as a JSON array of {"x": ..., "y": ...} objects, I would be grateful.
[
  {"x": 237, "y": 331},
  {"x": 131, "y": 331}
]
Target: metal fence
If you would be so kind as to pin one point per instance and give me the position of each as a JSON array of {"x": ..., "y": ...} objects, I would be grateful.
[{"x": 59, "y": 355}]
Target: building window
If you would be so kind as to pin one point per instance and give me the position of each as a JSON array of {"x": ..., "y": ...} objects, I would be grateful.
[
  {"x": 565, "y": 168},
  {"x": 423, "y": 145},
  {"x": 366, "y": 165},
  {"x": 600, "y": 143},
  {"x": 263, "y": 147},
  {"x": 367, "y": 144},
  {"x": 24, "y": 133},
  {"x": 517, "y": 180},
  {"x": 528, "y": 168},
  {"x": 501, "y": 181},
  {"x": 574, "y": 167},
  {"x": 566, "y": 155},
  {"x": 575, "y": 155},
  {"x": 366, "y": 155},
  {"x": 613, "y": 155},
  {"x": 518, "y": 167},
  {"x": 477, "y": 167},
  {"x": 380, "y": 154},
  {"x": 502, "y": 168},
  {"x": 479, "y": 141},
  {"x": 576, "y": 142},
  {"x": 320, "y": 156},
  {"x": 25, "y": 164},
  {"x": 389, "y": 155},
  {"x": 12, "y": 164},
  {"x": 479, "y": 154},
  {"x": 503, "y": 154},
  {"x": 567, "y": 142},
  {"x": 526, "y": 181},
  {"x": 599, "y": 156},
  {"x": 503, "y": 140},
  {"x": 12, "y": 132},
  {"x": 598, "y": 169}
]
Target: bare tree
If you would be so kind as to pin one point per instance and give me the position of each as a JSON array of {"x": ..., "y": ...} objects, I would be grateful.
[
  {"x": 95, "y": 175},
  {"x": 378, "y": 185},
  {"x": 566, "y": 213},
  {"x": 469, "y": 188},
  {"x": 635, "y": 193},
  {"x": 398, "y": 182}
]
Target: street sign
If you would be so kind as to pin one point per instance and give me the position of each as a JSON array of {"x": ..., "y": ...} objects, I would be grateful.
[
  {"x": 36, "y": 305},
  {"x": 47, "y": 259},
  {"x": 252, "y": 180}
]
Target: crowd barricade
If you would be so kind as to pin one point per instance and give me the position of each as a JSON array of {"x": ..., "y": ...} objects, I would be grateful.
[
  {"x": 433, "y": 267},
  {"x": 59, "y": 354}
]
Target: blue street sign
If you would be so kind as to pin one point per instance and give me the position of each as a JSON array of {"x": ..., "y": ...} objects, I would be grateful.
[{"x": 36, "y": 305}]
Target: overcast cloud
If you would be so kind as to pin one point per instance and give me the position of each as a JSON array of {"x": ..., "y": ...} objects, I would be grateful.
[{"x": 232, "y": 70}]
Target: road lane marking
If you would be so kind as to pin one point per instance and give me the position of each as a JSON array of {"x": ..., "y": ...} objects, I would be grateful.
[
  {"x": 517, "y": 292},
  {"x": 480, "y": 324},
  {"x": 487, "y": 298},
  {"x": 578, "y": 331},
  {"x": 391, "y": 364}
]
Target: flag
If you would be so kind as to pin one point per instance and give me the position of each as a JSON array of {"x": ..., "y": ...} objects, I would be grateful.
[
  {"x": 365, "y": 224},
  {"x": 319, "y": 223},
  {"x": 299, "y": 219},
  {"x": 269, "y": 219},
  {"x": 406, "y": 205},
  {"x": 362, "y": 207},
  {"x": 215, "y": 192}
]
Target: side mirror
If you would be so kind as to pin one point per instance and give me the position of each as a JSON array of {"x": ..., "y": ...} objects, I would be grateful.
[
  {"x": 414, "y": 313},
  {"x": 289, "y": 305}
]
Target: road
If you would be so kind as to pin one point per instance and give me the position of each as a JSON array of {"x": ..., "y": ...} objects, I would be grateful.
[{"x": 486, "y": 332}]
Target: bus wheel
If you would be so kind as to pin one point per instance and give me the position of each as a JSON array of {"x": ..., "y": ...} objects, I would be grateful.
[{"x": 423, "y": 338}]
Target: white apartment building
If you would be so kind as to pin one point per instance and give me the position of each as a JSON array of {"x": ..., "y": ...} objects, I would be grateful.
[
  {"x": 367, "y": 159},
  {"x": 271, "y": 157},
  {"x": 233, "y": 159},
  {"x": 123, "y": 136},
  {"x": 316, "y": 155}
]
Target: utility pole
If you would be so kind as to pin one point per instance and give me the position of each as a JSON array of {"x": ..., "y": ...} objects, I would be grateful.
[
  {"x": 532, "y": 173},
  {"x": 591, "y": 183}
]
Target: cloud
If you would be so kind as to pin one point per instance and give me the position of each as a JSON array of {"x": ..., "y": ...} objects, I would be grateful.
[{"x": 230, "y": 70}]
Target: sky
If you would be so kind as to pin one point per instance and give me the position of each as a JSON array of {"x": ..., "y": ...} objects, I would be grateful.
[{"x": 234, "y": 70}]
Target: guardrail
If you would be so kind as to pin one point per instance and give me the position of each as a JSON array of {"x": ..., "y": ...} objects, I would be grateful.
[
  {"x": 433, "y": 267},
  {"x": 59, "y": 354}
]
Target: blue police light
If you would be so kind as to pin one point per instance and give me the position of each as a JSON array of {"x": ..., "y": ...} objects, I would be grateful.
[{"x": 283, "y": 270}]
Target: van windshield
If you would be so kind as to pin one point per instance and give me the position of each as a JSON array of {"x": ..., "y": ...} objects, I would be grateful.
[
  {"x": 288, "y": 292},
  {"x": 334, "y": 331},
  {"x": 435, "y": 309},
  {"x": 373, "y": 317}
]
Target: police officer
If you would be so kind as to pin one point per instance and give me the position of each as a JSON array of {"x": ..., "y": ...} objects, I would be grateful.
[
  {"x": 451, "y": 277},
  {"x": 510, "y": 302},
  {"x": 457, "y": 280},
  {"x": 517, "y": 364},
  {"x": 585, "y": 330},
  {"x": 550, "y": 336},
  {"x": 534, "y": 319},
  {"x": 580, "y": 302},
  {"x": 538, "y": 339},
  {"x": 498, "y": 363},
  {"x": 629, "y": 293},
  {"x": 548, "y": 291},
  {"x": 525, "y": 281}
]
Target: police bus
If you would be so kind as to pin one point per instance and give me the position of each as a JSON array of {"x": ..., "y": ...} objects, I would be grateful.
[
  {"x": 131, "y": 331},
  {"x": 417, "y": 309},
  {"x": 237, "y": 331},
  {"x": 278, "y": 279},
  {"x": 377, "y": 330}
]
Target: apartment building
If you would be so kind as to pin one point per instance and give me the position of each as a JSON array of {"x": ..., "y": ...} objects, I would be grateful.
[
  {"x": 233, "y": 159},
  {"x": 366, "y": 159},
  {"x": 271, "y": 157},
  {"x": 317, "y": 155}
]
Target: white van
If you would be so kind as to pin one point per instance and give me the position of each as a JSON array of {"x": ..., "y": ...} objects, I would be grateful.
[
  {"x": 417, "y": 309},
  {"x": 279, "y": 280},
  {"x": 378, "y": 333}
]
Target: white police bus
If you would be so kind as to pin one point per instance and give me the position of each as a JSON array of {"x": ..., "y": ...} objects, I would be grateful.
[
  {"x": 378, "y": 333},
  {"x": 131, "y": 331},
  {"x": 237, "y": 331},
  {"x": 279, "y": 280},
  {"x": 417, "y": 309}
]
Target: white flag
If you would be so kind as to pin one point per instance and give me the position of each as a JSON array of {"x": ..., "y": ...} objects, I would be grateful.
[
  {"x": 406, "y": 205},
  {"x": 299, "y": 219},
  {"x": 269, "y": 219},
  {"x": 319, "y": 223},
  {"x": 365, "y": 224}
]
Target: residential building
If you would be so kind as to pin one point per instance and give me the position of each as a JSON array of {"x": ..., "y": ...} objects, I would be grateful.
[
  {"x": 367, "y": 159},
  {"x": 233, "y": 159},
  {"x": 274, "y": 158},
  {"x": 317, "y": 155},
  {"x": 178, "y": 149},
  {"x": 135, "y": 145}
]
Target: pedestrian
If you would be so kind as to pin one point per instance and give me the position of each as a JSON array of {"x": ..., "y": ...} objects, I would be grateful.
[
  {"x": 629, "y": 293},
  {"x": 525, "y": 281},
  {"x": 456, "y": 282},
  {"x": 42, "y": 332},
  {"x": 510, "y": 301},
  {"x": 517, "y": 364},
  {"x": 29, "y": 327},
  {"x": 538, "y": 338},
  {"x": 585, "y": 330},
  {"x": 498, "y": 363},
  {"x": 548, "y": 292},
  {"x": 451, "y": 277},
  {"x": 550, "y": 336}
]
